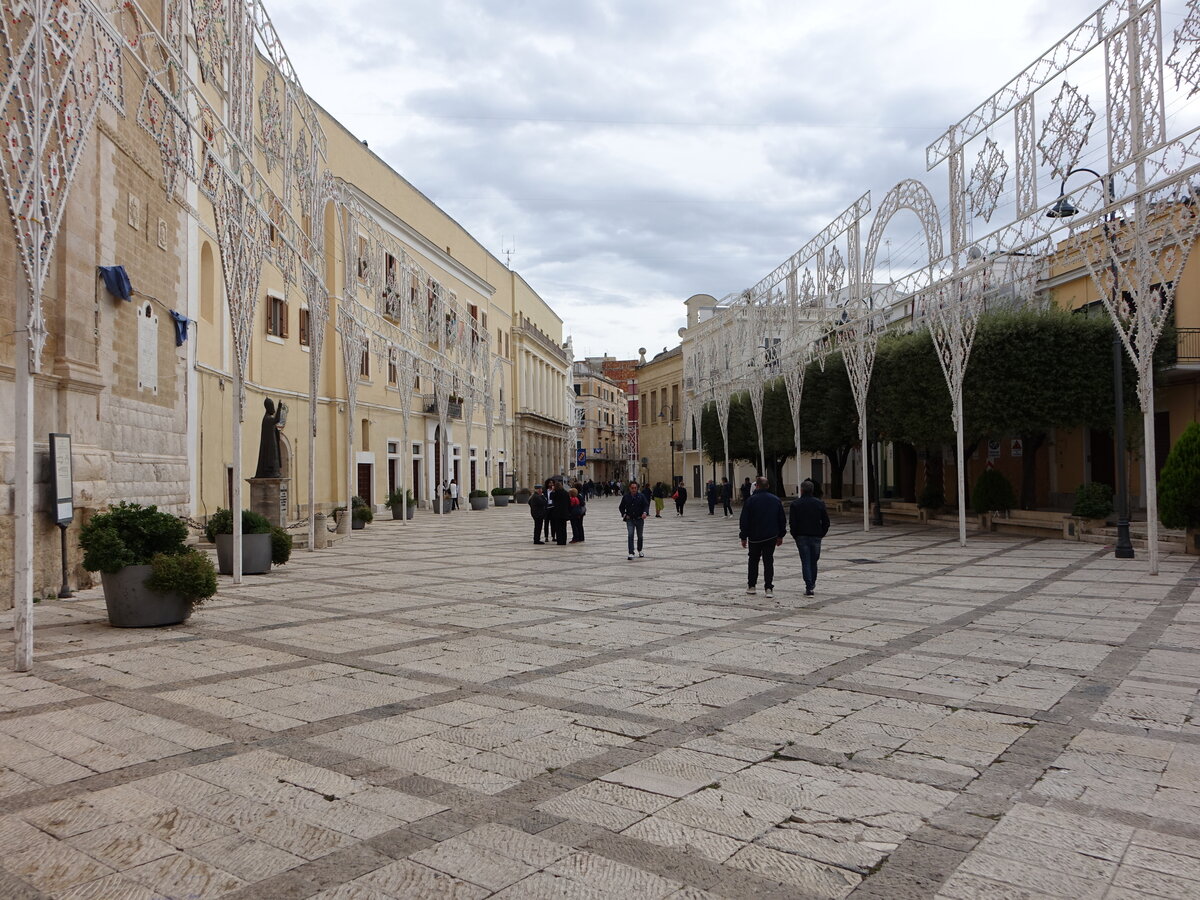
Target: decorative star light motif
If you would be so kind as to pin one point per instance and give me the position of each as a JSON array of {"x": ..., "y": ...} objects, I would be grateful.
[
  {"x": 987, "y": 180},
  {"x": 1184, "y": 60},
  {"x": 1065, "y": 131},
  {"x": 834, "y": 273}
]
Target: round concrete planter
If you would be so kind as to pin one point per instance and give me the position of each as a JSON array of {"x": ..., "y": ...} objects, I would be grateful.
[
  {"x": 523, "y": 496},
  {"x": 479, "y": 502},
  {"x": 133, "y": 605},
  {"x": 502, "y": 499},
  {"x": 396, "y": 514},
  {"x": 256, "y": 554}
]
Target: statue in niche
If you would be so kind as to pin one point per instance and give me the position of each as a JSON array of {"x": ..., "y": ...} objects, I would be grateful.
[{"x": 268, "y": 449}]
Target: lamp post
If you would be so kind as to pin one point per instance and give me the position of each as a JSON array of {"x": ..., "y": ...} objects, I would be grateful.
[
  {"x": 1064, "y": 209},
  {"x": 663, "y": 415}
]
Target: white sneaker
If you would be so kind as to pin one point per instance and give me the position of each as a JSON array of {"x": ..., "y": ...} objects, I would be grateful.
[
  {"x": 641, "y": 554},
  {"x": 750, "y": 590},
  {"x": 768, "y": 593},
  {"x": 630, "y": 556}
]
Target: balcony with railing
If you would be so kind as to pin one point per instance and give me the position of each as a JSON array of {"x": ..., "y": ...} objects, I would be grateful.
[
  {"x": 454, "y": 408},
  {"x": 1187, "y": 346}
]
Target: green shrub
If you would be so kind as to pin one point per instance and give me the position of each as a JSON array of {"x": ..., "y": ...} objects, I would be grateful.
[
  {"x": 476, "y": 494},
  {"x": 130, "y": 535},
  {"x": 932, "y": 497},
  {"x": 1179, "y": 483},
  {"x": 221, "y": 522},
  {"x": 363, "y": 513},
  {"x": 190, "y": 574},
  {"x": 1093, "y": 500},
  {"x": 281, "y": 546},
  {"x": 992, "y": 492},
  {"x": 395, "y": 498},
  {"x": 502, "y": 492},
  {"x": 359, "y": 503}
]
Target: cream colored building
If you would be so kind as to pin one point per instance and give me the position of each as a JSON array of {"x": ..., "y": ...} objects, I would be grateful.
[
  {"x": 544, "y": 398},
  {"x": 602, "y": 422}
]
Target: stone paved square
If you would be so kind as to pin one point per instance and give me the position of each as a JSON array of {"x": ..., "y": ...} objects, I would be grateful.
[{"x": 440, "y": 708}]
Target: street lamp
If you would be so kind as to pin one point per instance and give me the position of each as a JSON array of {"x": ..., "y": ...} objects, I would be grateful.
[
  {"x": 663, "y": 415},
  {"x": 1064, "y": 209}
]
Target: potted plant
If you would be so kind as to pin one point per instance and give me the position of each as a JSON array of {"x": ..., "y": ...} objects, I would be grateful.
[
  {"x": 396, "y": 501},
  {"x": 1179, "y": 487},
  {"x": 522, "y": 495},
  {"x": 479, "y": 499},
  {"x": 150, "y": 576},
  {"x": 1091, "y": 509},
  {"x": 256, "y": 541},
  {"x": 362, "y": 513},
  {"x": 501, "y": 495},
  {"x": 993, "y": 493},
  {"x": 932, "y": 499}
]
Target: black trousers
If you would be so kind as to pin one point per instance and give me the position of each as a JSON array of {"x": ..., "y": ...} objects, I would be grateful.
[
  {"x": 539, "y": 525},
  {"x": 559, "y": 527},
  {"x": 577, "y": 528},
  {"x": 764, "y": 550}
]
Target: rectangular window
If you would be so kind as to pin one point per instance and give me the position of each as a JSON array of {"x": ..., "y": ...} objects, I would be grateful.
[
  {"x": 364, "y": 367},
  {"x": 393, "y": 372},
  {"x": 362, "y": 258},
  {"x": 277, "y": 317},
  {"x": 305, "y": 339}
]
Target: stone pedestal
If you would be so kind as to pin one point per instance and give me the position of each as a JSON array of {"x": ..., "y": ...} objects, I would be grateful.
[{"x": 268, "y": 497}]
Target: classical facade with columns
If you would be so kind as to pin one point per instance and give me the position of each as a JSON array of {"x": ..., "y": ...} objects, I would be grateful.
[{"x": 542, "y": 419}]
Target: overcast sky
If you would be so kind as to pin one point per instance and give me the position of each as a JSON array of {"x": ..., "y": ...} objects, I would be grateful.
[{"x": 636, "y": 152}]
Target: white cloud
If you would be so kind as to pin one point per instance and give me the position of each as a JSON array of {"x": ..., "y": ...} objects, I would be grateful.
[{"x": 640, "y": 151}]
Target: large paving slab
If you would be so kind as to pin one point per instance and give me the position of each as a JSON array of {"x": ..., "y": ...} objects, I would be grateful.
[{"x": 440, "y": 708}]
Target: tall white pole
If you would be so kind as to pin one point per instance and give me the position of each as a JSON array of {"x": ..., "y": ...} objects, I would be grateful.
[
  {"x": 23, "y": 485},
  {"x": 236, "y": 499}
]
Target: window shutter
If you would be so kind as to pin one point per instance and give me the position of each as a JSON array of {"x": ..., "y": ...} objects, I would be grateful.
[{"x": 284, "y": 315}]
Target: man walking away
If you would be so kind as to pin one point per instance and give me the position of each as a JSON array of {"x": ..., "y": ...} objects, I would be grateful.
[
  {"x": 710, "y": 494},
  {"x": 763, "y": 526},
  {"x": 810, "y": 523},
  {"x": 745, "y": 490},
  {"x": 537, "y": 509},
  {"x": 453, "y": 493},
  {"x": 633, "y": 509},
  {"x": 680, "y": 496},
  {"x": 727, "y": 496}
]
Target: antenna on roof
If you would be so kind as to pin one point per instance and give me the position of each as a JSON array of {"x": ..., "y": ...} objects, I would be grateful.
[{"x": 509, "y": 251}]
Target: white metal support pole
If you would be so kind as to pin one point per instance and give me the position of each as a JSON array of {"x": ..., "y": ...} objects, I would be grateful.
[
  {"x": 866, "y": 469},
  {"x": 236, "y": 498},
  {"x": 23, "y": 485},
  {"x": 961, "y": 465}
]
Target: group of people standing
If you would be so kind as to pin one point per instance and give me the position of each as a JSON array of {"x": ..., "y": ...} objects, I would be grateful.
[{"x": 552, "y": 506}]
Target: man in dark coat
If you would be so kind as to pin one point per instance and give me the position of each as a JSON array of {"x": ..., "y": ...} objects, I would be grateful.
[
  {"x": 727, "y": 496},
  {"x": 810, "y": 523},
  {"x": 763, "y": 526},
  {"x": 710, "y": 494},
  {"x": 633, "y": 509},
  {"x": 537, "y": 509},
  {"x": 560, "y": 512}
]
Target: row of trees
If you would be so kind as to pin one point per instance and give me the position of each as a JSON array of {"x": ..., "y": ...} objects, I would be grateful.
[{"x": 1030, "y": 371}]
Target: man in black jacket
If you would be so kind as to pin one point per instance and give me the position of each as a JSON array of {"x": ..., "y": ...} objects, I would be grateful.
[
  {"x": 763, "y": 526},
  {"x": 810, "y": 523},
  {"x": 633, "y": 509},
  {"x": 560, "y": 512},
  {"x": 537, "y": 509}
]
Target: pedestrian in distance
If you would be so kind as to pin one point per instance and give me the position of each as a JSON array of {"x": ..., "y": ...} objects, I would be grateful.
[
  {"x": 633, "y": 509},
  {"x": 745, "y": 490},
  {"x": 578, "y": 511},
  {"x": 762, "y": 528},
  {"x": 660, "y": 496},
  {"x": 537, "y": 509},
  {"x": 680, "y": 497},
  {"x": 809, "y": 524},
  {"x": 453, "y": 493},
  {"x": 726, "y": 497},
  {"x": 710, "y": 494}
]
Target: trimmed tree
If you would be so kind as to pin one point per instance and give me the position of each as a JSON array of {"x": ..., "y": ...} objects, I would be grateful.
[{"x": 1179, "y": 483}]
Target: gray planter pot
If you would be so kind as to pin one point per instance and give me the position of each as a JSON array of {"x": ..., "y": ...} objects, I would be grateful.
[
  {"x": 358, "y": 524},
  {"x": 133, "y": 605},
  {"x": 397, "y": 514},
  {"x": 523, "y": 496},
  {"x": 256, "y": 554},
  {"x": 478, "y": 502},
  {"x": 446, "y": 501},
  {"x": 502, "y": 499}
]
